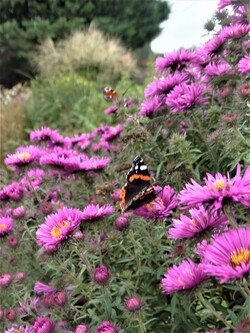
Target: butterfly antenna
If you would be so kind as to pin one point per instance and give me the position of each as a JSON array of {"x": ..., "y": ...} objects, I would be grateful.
[{"x": 125, "y": 91}]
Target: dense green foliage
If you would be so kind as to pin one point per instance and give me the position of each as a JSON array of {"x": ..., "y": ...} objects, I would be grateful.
[{"x": 25, "y": 24}]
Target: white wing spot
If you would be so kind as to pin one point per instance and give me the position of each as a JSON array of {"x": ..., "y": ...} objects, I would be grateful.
[{"x": 143, "y": 167}]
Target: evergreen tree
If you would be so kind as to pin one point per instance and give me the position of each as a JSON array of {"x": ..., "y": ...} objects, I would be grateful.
[{"x": 25, "y": 23}]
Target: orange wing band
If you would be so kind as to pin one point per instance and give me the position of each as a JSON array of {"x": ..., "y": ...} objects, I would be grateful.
[{"x": 135, "y": 176}]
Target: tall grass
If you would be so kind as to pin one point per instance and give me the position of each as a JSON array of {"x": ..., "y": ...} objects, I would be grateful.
[
  {"x": 12, "y": 119},
  {"x": 84, "y": 50}
]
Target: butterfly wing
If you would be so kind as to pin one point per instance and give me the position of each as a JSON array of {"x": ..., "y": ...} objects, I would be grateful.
[
  {"x": 110, "y": 95},
  {"x": 138, "y": 190}
]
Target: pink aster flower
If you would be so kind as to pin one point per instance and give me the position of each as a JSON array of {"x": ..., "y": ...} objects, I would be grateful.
[
  {"x": 19, "y": 212},
  {"x": 219, "y": 68},
  {"x": 81, "y": 329},
  {"x": 94, "y": 163},
  {"x": 12, "y": 191},
  {"x": 244, "y": 64},
  {"x": 43, "y": 324},
  {"x": 133, "y": 303},
  {"x": 161, "y": 207},
  {"x": 151, "y": 106},
  {"x": 34, "y": 180},
  {"x": 228, "y": 257},
  {"x": 175, "y": 60},
  {"x": 58, "y": 157},
  {"x": 58, "y": 227},
  {"x": 6, "y": 225},
  {"x": 185, "y": 97},
  {"x": 112, "y": 132},
  {"x": 41, "y": 288},
  {"x": 23, "y": 156},
  {"x": 187, "y": 275},
  {"x": 224, "y": 3},
  {"x": 164, "y": 85},
  {"x": 111, "y": 109},
  {"x": 106, "y": 327},
  {"x": 5, "y": 280},
  {"x": 101, "y": 275},
  {"x": 216, "y": 189},
  {"x": 47, "y": 135},
  {"x": 30, "y": 305},
  {"x": 214, "y": 46},
  {"x": 200, "y": 221},
  {"x": 19, "y": 329},
  {"x": 102, "y": 144},
  {"x": 236, "y": 30},
  {"x": 92, "y": 212}
]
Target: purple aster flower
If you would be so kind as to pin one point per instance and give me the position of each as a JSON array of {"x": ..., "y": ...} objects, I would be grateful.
[
  {"x": 19, "y": 212},
  {"x": 84, "y": 144},
  {"x": 58, "y": 157},
  {"x": 200, "y": 221},
  {"x": 43, "y": 324},
  {"x": 23, "y": 156},
  {"x": 35, "y": 179},
  {"x": 5, "y": 280},
  {"x": 6, "y": 225},
  {"x": 112, "y": 109},
  {"x": 214, "y": 46},
  {"x": 164, "y": 84},
  {"x": 81, "y": 329},
  {"x": 46, "y": 134},
  {"x": 216, "y": 189},
  {"x": 176, "y": 60},
  {"x": 224, "y": 3},
  {"x": 58, "y": 227},
  {"x": 184, "y": 97},
  {"x": 106, "y": 327},
  {"x": 92, "y": 212},
  {"x": 101, "y": 275},
  {"x": 133, "y": 303},
  {"x": 244, "y": 64},
  {"x": 41, "y": 288},
  {"x": 236, "y": 30},
  {"x": 112, "y": 132},
  {"x": 228, "y": 257},
  {"x": 103, "y": 144},
  {"x": 161, "y": 207},
  {"x": 187, "y": 275},
  {"x": 239, "y": 15},
  {"x": 30, "y": 305},
  {"x": 94, "y": 163},
  {"x": 219, "y": 68},
  {"x": 149, "y": 107},
  {"x": 20, "y": 329}
]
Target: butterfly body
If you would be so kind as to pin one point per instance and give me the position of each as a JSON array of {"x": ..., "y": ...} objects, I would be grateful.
[{"x": 138, "y": 190}]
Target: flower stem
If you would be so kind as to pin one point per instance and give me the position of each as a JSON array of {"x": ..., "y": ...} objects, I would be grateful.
[
  {"x": 210, "y": 307},
  {"x": 230, "y": 216}
]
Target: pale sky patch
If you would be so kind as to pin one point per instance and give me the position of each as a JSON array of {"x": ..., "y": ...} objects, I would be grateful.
[{"x": 184, "y": 28}]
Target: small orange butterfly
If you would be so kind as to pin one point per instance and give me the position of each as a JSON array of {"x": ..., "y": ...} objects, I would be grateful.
[{"x": 110, "y": 95}]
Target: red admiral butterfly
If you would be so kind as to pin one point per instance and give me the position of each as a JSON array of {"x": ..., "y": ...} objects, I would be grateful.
[
  {"x": 138, "y": 190},
  {"x": 111, "y": 95}
]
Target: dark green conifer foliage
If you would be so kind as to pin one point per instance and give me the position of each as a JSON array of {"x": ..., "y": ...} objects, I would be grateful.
[{"x": 25, "y": 23}]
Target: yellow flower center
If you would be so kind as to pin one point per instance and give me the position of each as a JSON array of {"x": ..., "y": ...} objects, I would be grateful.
[
  {"x": 192, "y": 221},
  {"x": 23, "y": 156},
  {"x": 248, "y": 64},
  {"x": 56, "y": 230},
  {"x": 219, "y": 184},
  {"x": 149, "y": 206},
  {"x": 181, "y": 282},
  {"x": 239, "y": 257},
  {"x": 17, "y": 331},
  {"x": 3, "y": 227}
]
